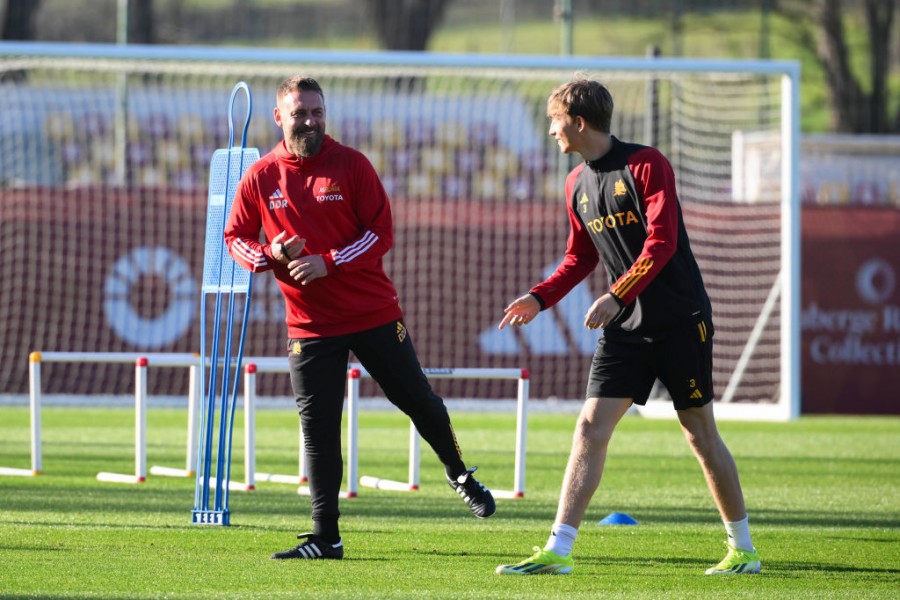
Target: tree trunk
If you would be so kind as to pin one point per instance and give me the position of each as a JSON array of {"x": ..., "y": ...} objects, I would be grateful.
[
  {"x": 854, "y": 110},
  {"x": 18, "y": 24},
  {"x": 406, "y": 24},
  {"x": 18, "y": 20},
  {"x": 880, "y": 20},
  {"x": 845, "y": 95},
  {"x": 141, "y": 28}
]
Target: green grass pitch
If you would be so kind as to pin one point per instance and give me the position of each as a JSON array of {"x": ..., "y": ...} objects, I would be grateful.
[{"x": 822, "y": 495}]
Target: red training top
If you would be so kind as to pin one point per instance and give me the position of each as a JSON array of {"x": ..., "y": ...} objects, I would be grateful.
[{"x": 337, "y": 203}]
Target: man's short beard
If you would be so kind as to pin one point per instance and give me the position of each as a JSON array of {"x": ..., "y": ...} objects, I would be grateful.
[{"x": 306, "y": 146}]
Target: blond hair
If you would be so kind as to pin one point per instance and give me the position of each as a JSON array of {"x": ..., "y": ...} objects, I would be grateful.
[{"x": 583, "y": 98}]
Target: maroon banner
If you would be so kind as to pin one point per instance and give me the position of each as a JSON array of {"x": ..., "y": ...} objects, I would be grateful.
[
  {"x": 851, "y": 310},
  {"x": 101, "y": 270}
]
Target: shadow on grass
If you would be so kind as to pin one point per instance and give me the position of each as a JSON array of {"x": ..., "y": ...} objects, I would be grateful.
[
  {"x": 642, "y": 562},
  {"x": 28, "y": 498},
  {"x": 597, "y": 563},
  {"x": 786, "y": 568},
  {"x": 774, "y": 569},
  {"x": 800, "y": 517},
  {"x": 291, "y": 530},
  {"x": 885, "y": 540},
  {"x": 771, "y": 567}
]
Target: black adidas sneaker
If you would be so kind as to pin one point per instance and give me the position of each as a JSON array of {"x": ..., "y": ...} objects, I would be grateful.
[
  {"x": 314, "y": 547},
  {"x": 477, "y": 497}
]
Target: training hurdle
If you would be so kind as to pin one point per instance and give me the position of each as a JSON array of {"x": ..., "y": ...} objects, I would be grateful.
[
  {"x": 34, "y": 411},
  {"x": 355, "y": 373},
  {"x": 254, "y": 366},
  {"x": 140, "y": 430},
  {"x": 141, "y": 361}
]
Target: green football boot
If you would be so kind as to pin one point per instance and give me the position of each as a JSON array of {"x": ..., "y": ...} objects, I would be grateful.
[
  {"x": 543, "y": 562},
  {"x": 737, "y": 562}
]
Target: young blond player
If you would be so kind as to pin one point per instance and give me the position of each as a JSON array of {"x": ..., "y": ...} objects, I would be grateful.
[{"x": 656, "y": 319}]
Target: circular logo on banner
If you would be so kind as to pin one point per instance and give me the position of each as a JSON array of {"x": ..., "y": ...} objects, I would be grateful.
[
  {"x": 140, "y": 267},
  {"x": 875, "y": 281}
]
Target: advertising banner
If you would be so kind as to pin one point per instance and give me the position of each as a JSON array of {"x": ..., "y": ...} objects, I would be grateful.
[{"x": 851, "y": 310}]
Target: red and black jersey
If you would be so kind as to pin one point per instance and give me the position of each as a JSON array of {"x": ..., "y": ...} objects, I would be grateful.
[
  {"x": 337, "y": 203},
  {"x": 623, "y": 209}
]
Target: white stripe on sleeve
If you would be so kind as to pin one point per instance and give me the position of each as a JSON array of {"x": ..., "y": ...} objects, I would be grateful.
[
  {"x": 243, "y": 250},
  {"x": 356, "y": 248}
]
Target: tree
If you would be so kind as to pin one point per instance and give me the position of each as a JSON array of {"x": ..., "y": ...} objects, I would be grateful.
[
  {"x": 18, "y": 20},
  {"x": 821, "y": 24},
  {"x": 406, "y": 24},
  {"x": 18, "y": 24},
  {"x": 141, "y": 28}
]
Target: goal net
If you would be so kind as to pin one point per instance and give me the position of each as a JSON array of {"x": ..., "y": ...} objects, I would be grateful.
[{"x": 105, "y": 154}]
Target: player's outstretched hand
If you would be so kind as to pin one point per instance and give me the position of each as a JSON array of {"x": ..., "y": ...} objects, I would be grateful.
[{"x": 520, "y": 312}]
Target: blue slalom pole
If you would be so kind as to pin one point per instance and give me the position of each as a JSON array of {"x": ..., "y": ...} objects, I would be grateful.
[{"x": 224, "y": 280}]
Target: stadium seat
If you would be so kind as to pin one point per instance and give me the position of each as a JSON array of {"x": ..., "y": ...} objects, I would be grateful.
[
  {"x": 550, "y": 188},
  {"x": 152, "y": 176},
  {"x": 403, "y": 161},
  {"x": 484, "y": 135},
  {"x": 468, "y": 161},
  {"x": 393, "y": 186},
  {"x": 387, "y": 133},
  {"x": 95, "y": 124},
  {"x": 190, "y": 129},
  {"x": 521, "y": 187},
  {"x": 134, "y": 132},
  {"x": 422, "y": 185},
  {"x": 455, "y": 186},
  {"x": 59, "y": 126},
  {"x": 103, "y": 154},
  {"x": 420, "y": 133},
  {"x": 83, "y": 175},
  {"x": 186, "y": 179},
  {"x": 140, "y": 153},
  {"x": 435, "y": 160},
  {"x": 354, "y": 132},
  {"x": 71, "y": 152},
  {"x": 487, "y": 186},
  {"x": 171, "y": 153},
  {"x": 501, "y": 161},
  {"x": 451, "y": 134},
  {"x": 201, "y": 153},
  {"x": 376, "y": 156},
  {"x": 158, "y": 126}
]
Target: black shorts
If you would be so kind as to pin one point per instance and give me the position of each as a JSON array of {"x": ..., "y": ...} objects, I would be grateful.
[{"x": 627, "y": 367}]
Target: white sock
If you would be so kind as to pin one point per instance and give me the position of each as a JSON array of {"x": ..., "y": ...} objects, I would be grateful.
[
  {"x": 739, "y": 534},
  {"x": 562, "y": 538}
]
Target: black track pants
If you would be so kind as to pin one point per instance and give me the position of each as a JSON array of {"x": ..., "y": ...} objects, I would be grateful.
[{"x": 319, "y": 377}]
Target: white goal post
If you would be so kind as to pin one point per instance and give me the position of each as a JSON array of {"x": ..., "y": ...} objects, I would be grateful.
[{"x": 109, "y": 145}]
